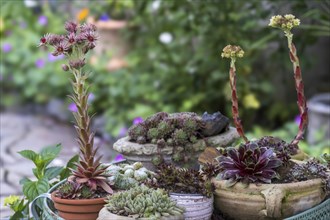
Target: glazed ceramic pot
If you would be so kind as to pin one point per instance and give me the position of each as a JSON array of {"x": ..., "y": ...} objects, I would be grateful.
[
  {"x": 197, "y": 207},
  {"x": 78, "y": 209},
  {"x": 106, "y": 215},
  {"x": 267, "y": 201}
]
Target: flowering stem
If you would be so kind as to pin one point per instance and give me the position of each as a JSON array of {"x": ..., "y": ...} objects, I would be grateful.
[
  {"x": 303, "y": 110},
  {"x": 85, "y": 136},
  {"x": 237, "y": 120}
]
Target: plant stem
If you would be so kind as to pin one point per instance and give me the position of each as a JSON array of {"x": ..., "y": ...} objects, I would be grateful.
[
  {"x": 299, "y": 88},
  {"x": 237, "y": 120},
  {"x": 85, "y": 136}
]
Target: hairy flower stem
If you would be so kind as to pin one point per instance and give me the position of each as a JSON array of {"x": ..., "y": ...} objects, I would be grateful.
[
  {"x": 234, "y": 108},
  {"x": 303, "y": 110},
  {"x": 85, "y": 136}
]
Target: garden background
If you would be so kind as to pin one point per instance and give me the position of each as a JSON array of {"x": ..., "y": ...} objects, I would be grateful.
[{"x": 164, "y": 55}]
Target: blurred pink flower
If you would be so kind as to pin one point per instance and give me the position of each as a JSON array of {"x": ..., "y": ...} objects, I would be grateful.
[
  {"x": 40, "y": 63},
  {"x": 137, "y": 120},
  {"x": 43, "y": 20},
  {"x": 297, "y": 119},
  {"x": 6, "y": 47},
  {"x": 52, "y": 58},
  {"x": 119, "y": 157},
  {"x": 90, "y": 98},
  {"x": 122, "y": 132},
  {"x": 72, "y": 107}
]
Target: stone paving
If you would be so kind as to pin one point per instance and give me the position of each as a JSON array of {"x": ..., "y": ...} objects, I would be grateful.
[{"x": 21, "y": 132}]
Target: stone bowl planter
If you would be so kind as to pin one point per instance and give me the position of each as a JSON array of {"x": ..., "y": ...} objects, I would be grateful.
[
  {"x": 134, "y": 152},
  {"x": 104, "y": 214},
  {"x": 197, "y": 207},
  {"x": 267, "y": 201}
]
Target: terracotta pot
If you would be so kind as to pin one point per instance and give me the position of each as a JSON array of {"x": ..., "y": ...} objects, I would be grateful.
[
  {"x": 106, "y": 215},
  {"x": 78, "y": 209},
  {"x": 267, "y": 201}
]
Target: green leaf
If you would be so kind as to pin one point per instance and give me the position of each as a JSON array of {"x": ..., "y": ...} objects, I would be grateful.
[
  {"x": 24, "y": 180},
  {"x": 34, "y": 188},
  {"x": 50, "y": 152},
  {"x": 66, "y": 172},
  {"x": 29, "y": 154},
  {"x": 17, "y": 215},
  {"x": 53, "y": 172}
]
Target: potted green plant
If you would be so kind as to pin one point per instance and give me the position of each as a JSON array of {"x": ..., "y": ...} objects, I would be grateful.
[
  {"x": 141, "y": 202},
  {"x": 259, "y": 176},
  {"x": 84, "y": 194},
  {"x": 176, "y": 137},
  {"x": 125, "y": 176},
  {"x": 191, "y": 189}
]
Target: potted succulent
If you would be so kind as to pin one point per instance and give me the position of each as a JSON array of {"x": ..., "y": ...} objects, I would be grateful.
[
  {"x": 259, "y": 176},
  {"x": 176, "y": 137},
  {"x": 141, "y": 202},
  {"x": 191, "y": 189},
  {"x": 125, "y": 176},
  {"x": 83, "y": 195}
]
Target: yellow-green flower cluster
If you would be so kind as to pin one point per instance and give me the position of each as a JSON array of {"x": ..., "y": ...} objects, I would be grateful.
[
  {"x": 11, "y": 200},
  {"x": 286, "y": 22},
  {"x": 232, "y": 51}
]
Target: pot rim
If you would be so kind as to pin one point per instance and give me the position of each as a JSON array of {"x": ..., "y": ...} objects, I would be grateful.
[
  {"x": 260, "y": 186},
  {"x": 78, "y": 201}
]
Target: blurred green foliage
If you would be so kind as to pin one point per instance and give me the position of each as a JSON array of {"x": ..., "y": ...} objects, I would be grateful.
[
  {"x": 28, "y": 73},
  {"x": 288, "y": 131},
  {"x": 174, "y": 61}
]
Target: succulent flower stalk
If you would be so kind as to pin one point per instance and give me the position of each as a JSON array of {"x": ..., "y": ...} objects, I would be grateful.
[
  {"x": 233, "y": 52},
  {"x": 74, "y": 45},
  {"x": 286, "y": 23}
]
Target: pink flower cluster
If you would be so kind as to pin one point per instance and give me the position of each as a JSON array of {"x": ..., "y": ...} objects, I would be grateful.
[{"x": 78, "y": 37}]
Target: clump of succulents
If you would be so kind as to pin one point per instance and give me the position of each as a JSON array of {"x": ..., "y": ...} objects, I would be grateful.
[
  {"x": 182, "y": 180},
  {"x": 268, "y": 159},
  {"x": 74, "y": 190},
  {"x": 125, "y": 176},
  {"x": 74, "y": 45},
  {"x": 178, "y": 130},
  {"x": 143, "y": 202},
  {"x": 249, "y": 163}
]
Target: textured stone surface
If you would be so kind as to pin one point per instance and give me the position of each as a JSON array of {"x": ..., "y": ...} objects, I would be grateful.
[{"x": 124, "y": 146}]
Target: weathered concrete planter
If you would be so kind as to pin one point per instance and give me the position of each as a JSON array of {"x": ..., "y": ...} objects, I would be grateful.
[
  {"x": 197, "y": 207},
  {"x": 267, "y": 201},
  {"x": 134, "y": 152},
  {"x": 104, "y": 214}
]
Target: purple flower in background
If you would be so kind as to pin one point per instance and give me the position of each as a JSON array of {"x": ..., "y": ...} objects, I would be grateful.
[
  {"x": 72, "y": 107},
  {"x": 119, "y": 157},
  {"x": 104, "y": 17},
  {"x": 52, "y": 58},
  {"x": 40, "y": 63},
  {"x": 137, "y": 120},
  {"x": 1, "y": 77},
  {"x": 43, "y": 20},
  {"x": 6, "y": 47},
  {"x": 22, "y": 24},
  {"x": 122, "y": 132},
  {"x": 297, "y": 119},
  {"x": 90, "y": 98}
]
